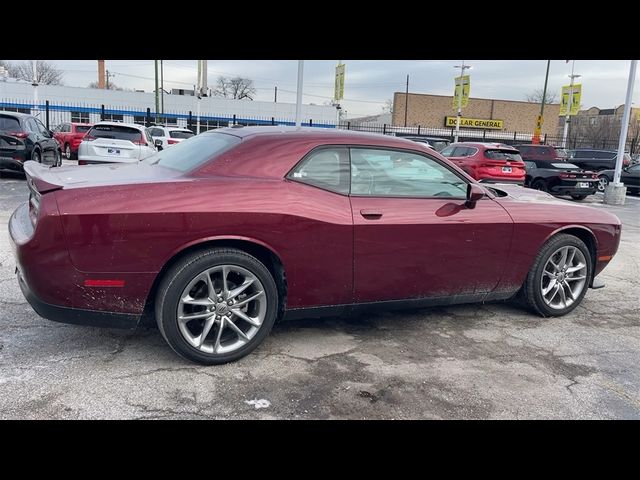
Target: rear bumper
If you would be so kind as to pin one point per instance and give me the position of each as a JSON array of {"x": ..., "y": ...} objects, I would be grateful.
[
  {"x": 86, "y": 160},
  {"x": 502, "y": 180},
  {"x": 75, "y": 315},
  {"x": 12, "y": 164},
  {"x": 573, "y": 190}
]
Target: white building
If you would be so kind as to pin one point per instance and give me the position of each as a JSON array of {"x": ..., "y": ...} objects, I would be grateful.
[{"x": 87, "y": 104}]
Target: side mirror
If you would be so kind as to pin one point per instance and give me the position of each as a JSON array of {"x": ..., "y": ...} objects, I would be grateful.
[
  {"x": 158, "y": 144},
  {"x": 474, "y": 193}
]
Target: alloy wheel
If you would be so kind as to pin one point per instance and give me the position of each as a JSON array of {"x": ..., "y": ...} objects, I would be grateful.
[
  {"x": 67, "y": 152},
  {"x": 564, "y": 277},
  {"x": 602, "y": 183},
  {"x": 221, "y": 309}
]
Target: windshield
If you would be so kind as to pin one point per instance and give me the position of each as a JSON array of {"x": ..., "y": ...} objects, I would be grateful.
[
  {"x": 117, "y": 132},
  {"x": 180, "y": 134},
  {"x": 503, "y": 155},
  {"x": 193, "y": 152},
  {"x": 564, "y": 165}
]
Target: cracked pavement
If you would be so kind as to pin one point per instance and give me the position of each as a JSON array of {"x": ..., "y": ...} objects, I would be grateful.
[{"x": 463, "y": 362}]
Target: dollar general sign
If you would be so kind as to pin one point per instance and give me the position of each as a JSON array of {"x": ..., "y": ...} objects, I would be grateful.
[{"x": 475, "y": 123}]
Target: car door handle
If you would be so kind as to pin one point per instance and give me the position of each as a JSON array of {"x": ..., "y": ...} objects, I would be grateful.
[{"x": 370, "y": 214}]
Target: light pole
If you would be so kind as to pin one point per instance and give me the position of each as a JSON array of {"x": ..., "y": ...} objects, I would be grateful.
[
  {"x": 462, "y": 68},
  {"x": 299, "y": 93},
  {"x": 406, "y": 102},
  {"x": 539, "y": 122},
  {"x": 567, "y": 118},
  {"x": 615, "y": 192},
  {"x": 36, "y": 108}
]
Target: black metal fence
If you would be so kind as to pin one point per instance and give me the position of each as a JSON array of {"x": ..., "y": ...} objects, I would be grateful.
[{"x": 52, "y": 114}]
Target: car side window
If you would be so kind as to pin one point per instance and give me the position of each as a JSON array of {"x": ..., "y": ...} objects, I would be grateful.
[
  {"x": 634, "y": 169},
  {"x": 392, "y": 173},
  {"x": 31, "y": 125},
  {"x": 42, "y": 128},
  {"x": 326, "y": 168},
  {"x": 529, "y": 165},
  {"x": 447, "y": 152},
  {"x": 66, "y": 128},
  {"x": 149, "y": 137}
]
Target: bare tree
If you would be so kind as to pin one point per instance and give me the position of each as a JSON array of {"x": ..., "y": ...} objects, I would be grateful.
[
  {"x": 237, "y": 88},
  {"x": 111, "y": 86},
  {"x": 388, "y": 106},
  {"x": 46, "y": 73},
  {"x": 536, "y": 96}
]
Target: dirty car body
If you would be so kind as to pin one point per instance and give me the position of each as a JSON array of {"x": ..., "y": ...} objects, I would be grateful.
[{"x": 95, "y": 244}]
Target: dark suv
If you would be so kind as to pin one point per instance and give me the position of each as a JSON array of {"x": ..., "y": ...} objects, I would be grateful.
[
  {"x": 23, "y": 137},
  {"x": 547, "y": 153},
  {"x": 437, "y": 143},
  {"x": 597, "y": 160}
]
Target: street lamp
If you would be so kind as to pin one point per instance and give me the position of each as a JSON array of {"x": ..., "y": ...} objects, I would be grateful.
[
  {"x": 462, "y": 68},
  {"x": 567, "y": 118}
]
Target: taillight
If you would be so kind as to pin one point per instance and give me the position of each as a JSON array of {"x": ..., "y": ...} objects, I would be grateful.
[
  {"x": 19, "y": 134},
  {"x": 171, "y": 142},
  {"x": 88, "y": 138},
  {"x": 593, "y": 175},
  {"x": 567, "y": 175},
  {"x": 140, "y": 141},
  {"x": 34, "y": 202}
]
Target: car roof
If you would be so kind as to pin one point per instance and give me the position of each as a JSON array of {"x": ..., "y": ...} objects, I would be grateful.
[
  {"x": 536, "y": 146},
  {"x": 78, "y": 123},
  {"x": 15, "y": 114},
  {"x": 317, "y": 133},
  {"x": 484, "y": 144},
  {"x": 120, "y": 124}
]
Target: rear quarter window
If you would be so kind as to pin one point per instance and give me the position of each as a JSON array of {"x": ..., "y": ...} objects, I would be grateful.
[{"x": 9, "y": 124}]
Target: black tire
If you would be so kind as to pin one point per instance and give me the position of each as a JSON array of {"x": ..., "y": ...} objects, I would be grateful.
[
  {"x": 540, "y": 185},
  {"x": 177, "y": 278},
  {"x": 531, "y": 295},
  {"x": 603, "y": 181},
  {"x": 579, "y": 197},
  {"x": 36, "y": 156}
]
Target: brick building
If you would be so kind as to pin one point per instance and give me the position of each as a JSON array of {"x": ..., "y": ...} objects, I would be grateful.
[
  {"x": 431, "y": 111},
  {"x": 601, "y": 127}
]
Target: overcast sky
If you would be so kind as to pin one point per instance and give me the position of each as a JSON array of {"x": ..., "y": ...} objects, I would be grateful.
[{"x": 368, "y": 83}]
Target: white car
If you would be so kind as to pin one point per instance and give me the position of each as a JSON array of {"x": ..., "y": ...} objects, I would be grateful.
[
  {"x": 169, "y": 135},
  {"x": 115, "y": 142}
]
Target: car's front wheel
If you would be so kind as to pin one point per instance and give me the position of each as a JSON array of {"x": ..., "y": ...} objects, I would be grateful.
[
  {"x": 579, "y": 197},
  {"x": 603, "y": 181},
  {"x": 216, "y": 306},
  {"x": 559, "y": 276},
  {"x": 540, "y": 185}
]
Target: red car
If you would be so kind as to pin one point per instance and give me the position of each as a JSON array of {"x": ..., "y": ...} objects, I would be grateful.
[
  {"x": 222, "y": 234},
  {"x": 69, "y": 136},
  {"x": 488, "y": 162}
]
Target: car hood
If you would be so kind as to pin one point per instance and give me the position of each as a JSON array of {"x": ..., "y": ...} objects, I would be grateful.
[{"x": 47, "y": 178}]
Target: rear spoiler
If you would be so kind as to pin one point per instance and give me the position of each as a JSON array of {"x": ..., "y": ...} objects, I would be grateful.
[{"x": 41, "y": 177}]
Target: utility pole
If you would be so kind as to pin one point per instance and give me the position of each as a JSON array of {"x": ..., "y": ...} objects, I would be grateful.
[
  {"x": 107, "y": 75},
  {"x": 299, "y": 93},
  {"x": 567, "y": 118},
  {"x": 36, "y": 107},
  {"x": 462, "y": 68},
  {"x": 406, "y": 102},
  {"x": 161, "y": 88},
  {"x": 157, "y": 91},
  {"x": 616, "y": 191},
  {"x": 540, "y": 120}
]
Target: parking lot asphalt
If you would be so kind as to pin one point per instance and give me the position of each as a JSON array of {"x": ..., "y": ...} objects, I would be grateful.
[{"x": 475, "y": 361}]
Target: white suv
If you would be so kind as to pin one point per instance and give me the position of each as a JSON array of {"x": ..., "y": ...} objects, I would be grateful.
[
  {"x": 115, "y": 142},
  {"x": 169, "y": 135}
]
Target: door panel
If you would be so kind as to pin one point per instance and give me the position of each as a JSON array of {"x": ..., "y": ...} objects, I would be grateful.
[{"x": 428, "y": 247}]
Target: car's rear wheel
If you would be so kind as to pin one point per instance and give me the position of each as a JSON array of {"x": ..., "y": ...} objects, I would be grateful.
[
  {"x": 216, "y": 306},
  {"x": 603, "y": 181},
  {"x": 540, "y": 185},
  {"x": 579, "y": 197},
  {"x": 559, "y": 276}
]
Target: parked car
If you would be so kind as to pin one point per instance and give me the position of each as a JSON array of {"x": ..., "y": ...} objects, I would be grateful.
[
  {"x": 437, "y": 143},
  {"x": 487, "y": 162},
  {"x": 236, "y": 235},
  {"x": 549, "y": 153},
  {"x": 169, "y": 135},
  {"x": 630, "y": 176},
  {"x": 115, "y": 142},
  {"x": 69, "y": 135},
  {"x": 23, "y": 137},
  {"x": 560, "y": 178},
  {"x": 597, "y": 160}
]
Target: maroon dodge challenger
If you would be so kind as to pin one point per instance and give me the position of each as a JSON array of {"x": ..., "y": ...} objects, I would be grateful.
[{"x": 224, "y": 233}]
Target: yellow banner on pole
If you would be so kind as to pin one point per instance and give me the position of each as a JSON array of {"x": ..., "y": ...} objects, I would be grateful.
[
  {"x": 464, "y": 83},
  {"x": 574, "y": 101},
  {"x": 339, "y": 86}
]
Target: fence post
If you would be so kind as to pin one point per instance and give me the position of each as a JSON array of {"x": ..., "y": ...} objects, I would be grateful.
[
  {"x": 273, "y": 121},
  {"x": 234, "y": 118},
  {"x": 514, "y": 136},
  {"x": 311, "y": 122},
  {"x": 484, "y": 135},
  {"x": 102, "y": 113},
  {"x": 418, "y": 129},
  {"x": 147, "y": 120},
  {"x": 190, "y": 121},
  {"x": 46, "y": 108},
  {"x": 384, "y": 129},
  {"x": 348, "y": 125},
  {"x": 545, "y": 138}
]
